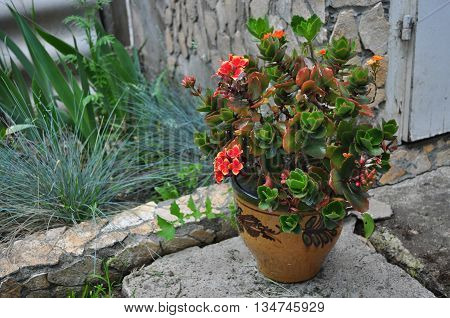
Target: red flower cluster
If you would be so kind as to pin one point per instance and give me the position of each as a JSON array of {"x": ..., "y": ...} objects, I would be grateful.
[
  {"x": 226, "y": 161},
  {"x": 275, "y": 34},
  {"x": 233, "y": 68}
]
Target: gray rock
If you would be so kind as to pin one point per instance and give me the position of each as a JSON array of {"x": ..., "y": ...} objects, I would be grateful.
[
  {"x": 76, "y": 273},
  {"x": 259, "y": 8},
  {"x": 238, "y": 44},
  {"x": 346, "y": 26},
  {"x": 37, "y": 282},
  {"x": 230, "y": 15},
  {"x": 227, "y": 269},
  {"x": 421, "y": 224},
  {"x": 178, "y": 244},
  {"x": 211, "y": 26},
  {"x": 390, "y": 245},
  {"x": 182, "y": 44},
  {"x": 300, "y": 8},
  {"x": 40, "y": 294},
  {"x": 169, "y": 40},
  {"x": 203, "y": 235},
  {"x": 107, "y": 240},
  {"x": 283, "y": 9},
  {"x": 221, "y": 17},
  {"x": 143, "y": 252},
  {"x": 353, "y": 3},
  {"x": 374, "y": 30},
  {"x": 378, "y": 210},
  {"x": 64, "y": 291},
  {"x": 75, "y": 239},
  {"x": 10, "y": 288},
  {"x": 7, "y": 267}
]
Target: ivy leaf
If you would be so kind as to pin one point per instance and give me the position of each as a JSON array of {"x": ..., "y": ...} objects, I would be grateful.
[
  {"x": 167, "y": 229},
  {"x": 195, "y": 212},
  {"x": 175, "y": 211},
  {"x": 369, "y": 224}
]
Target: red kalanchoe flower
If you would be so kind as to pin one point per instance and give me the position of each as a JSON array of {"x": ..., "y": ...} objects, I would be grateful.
[
  {"x": 233, "y": 68},
  {"x": 275, "y": 34},
  {"x": 234, "y": 152},
  {"x": 224, "y": 167},
  {"x": 218, "y": 176},
  {"x": 188, "y": 81},
  {"x": 226, "y": 160},
  {"x": 236, "y": 166},
  {"x": 278, "y": 34}
]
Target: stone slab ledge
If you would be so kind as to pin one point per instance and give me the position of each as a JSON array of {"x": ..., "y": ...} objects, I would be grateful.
[{"x": 61, "y": 260}]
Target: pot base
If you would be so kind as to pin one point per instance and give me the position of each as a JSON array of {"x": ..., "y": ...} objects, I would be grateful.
[{"x": 285, "y": 257}]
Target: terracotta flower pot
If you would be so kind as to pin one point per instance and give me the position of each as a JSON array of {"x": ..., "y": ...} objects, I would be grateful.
[{"x": 283, "y": 257}]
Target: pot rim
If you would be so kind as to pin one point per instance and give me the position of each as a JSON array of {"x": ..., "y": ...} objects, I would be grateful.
[{"x": 254, "y": 200}]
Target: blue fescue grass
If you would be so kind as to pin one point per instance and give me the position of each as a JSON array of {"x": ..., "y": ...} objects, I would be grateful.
[{"x": 49, "y": 177}]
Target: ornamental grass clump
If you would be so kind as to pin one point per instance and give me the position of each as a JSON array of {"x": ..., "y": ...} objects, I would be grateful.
[{"x": 291, "y": 123}]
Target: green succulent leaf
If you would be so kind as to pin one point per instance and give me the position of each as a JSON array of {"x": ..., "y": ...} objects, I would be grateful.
[
  {"x": 308, "y": 29},
  {"x": 369, "y": 224},
  {"x": 341, "y": 50},
  {"x": 345, "y": 132},
  {"x": 369, "y": 141},
  {"x": 359, "y": 78},
  {"x": 259, "y": 27},
  {"x": 290, "y": 223},
  {"x": 389, "y": 128},
  {"x": 332, "y": 214},
  {"x": 344, "y": 107},
  {"x": 257, "y": 83},
  {"x": 303, "y": 187},
  {"x": 311, "y": 122},
  {"x": 314, "y": 148},
  {"x": 357, "y": 198},
  {"x": 268, "y": 198}
]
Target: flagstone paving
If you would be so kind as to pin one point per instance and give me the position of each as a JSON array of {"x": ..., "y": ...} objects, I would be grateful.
[{"x": 227, "y": 269}]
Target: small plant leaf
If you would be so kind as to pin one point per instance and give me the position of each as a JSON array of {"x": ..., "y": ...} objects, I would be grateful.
[
  {"x": 175, "y": 211},
  {"x": 369, "y": 224},
  {"x": 195, "y": 211},
  {"x": 208, "y": 209},
  {"x": 167, "y": 229}
]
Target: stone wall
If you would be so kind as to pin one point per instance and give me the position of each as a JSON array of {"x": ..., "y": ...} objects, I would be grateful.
[
  {"x": 192, "y": 36},
  {"x": 60, "y": 261}
]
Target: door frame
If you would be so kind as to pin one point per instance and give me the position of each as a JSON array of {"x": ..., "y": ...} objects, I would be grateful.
[{"x": 400, "y": 69}]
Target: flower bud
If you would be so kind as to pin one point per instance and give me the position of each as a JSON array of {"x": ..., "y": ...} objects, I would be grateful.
[{"x": 188, "y": 81}]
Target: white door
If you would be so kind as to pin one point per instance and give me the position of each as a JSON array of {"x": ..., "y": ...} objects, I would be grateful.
[{"x": 419, "y": 76}]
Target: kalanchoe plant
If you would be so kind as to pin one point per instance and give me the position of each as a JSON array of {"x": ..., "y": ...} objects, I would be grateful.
[{"x": 290, "y": 122}]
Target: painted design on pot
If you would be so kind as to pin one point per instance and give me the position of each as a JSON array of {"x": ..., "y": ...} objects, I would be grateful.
[
  {"x": 253, "y": 226},
  {"x": 316, "y": 233}
]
